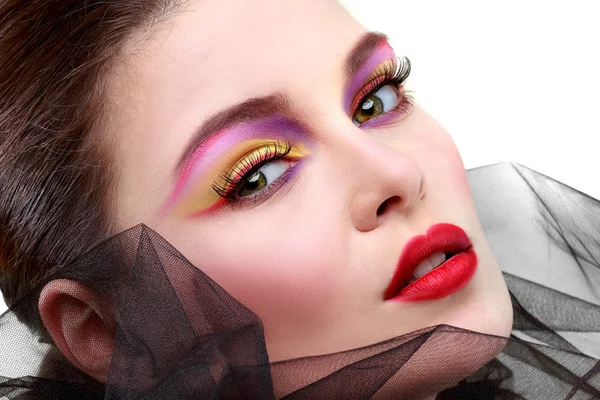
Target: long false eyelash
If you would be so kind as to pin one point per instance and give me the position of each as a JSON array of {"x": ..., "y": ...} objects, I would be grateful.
[
  {"x": 234, "y": 179},
  {"x": 394, "y": 73},
  {"x": 401, "y": 71}
]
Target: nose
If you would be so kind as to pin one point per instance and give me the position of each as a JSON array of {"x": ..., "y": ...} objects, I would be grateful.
[{"x": 385, "y": 181}]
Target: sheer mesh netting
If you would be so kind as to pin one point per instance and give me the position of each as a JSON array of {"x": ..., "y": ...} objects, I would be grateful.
[{"x": 179, "y": 335}]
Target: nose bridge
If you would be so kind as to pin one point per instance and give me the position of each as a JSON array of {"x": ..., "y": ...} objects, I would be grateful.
[{"x": 385, "y": 180}]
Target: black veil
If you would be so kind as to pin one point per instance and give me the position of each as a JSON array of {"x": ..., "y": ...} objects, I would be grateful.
[{"x": 179, "y": 335}]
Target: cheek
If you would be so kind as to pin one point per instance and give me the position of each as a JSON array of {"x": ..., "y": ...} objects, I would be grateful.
[
  {"x": 444, "y": 165},
  {"x": 284, "y": 267},
  {"x": 422, "y": 137},
  {"x": 456, "y": 170},
  {"x": 453, "y": 169}
]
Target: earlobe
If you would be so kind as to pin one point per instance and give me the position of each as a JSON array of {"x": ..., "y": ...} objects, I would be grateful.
[{"x": 78, "y": 321}]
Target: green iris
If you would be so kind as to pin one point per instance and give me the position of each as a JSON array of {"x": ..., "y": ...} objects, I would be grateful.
[
  {"x": 255, "y": 183},
  {"x": 371, "y": 107}
]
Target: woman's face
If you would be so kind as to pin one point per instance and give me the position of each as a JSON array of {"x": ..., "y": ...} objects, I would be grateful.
[{"x": 247, "y": 138}]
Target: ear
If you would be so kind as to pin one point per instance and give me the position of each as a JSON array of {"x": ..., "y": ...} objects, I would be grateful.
[{"x": 78, "y": 321}]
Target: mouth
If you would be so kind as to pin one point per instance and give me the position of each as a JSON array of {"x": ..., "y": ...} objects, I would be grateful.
[{"x": 433, "y": 265}]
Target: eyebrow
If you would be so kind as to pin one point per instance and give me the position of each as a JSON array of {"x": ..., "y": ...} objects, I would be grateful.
[
  {"x": 249, "y": 110},
  {"x": 277, "y": 103},
  {"x": 361, "y": 52}
]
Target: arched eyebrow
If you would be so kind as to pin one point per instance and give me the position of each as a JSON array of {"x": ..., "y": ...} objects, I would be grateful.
[
  {"x": 249, "y": 110},
  {"x": 277, "y": 103}
]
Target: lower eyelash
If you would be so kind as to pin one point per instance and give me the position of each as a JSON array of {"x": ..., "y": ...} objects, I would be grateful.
[
  {"x": 256, "y": 199},
  {"x": 405, "y": 104},
  {"x": 232, "y": 181},
  {"x": 404, "y": 107}
]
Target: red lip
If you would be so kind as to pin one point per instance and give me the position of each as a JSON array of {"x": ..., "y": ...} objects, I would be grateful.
[{"x": 452, "y": 275}]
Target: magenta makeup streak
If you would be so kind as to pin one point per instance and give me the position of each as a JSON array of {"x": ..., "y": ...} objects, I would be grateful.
[
  {"x": 211, "y": 151},
  {"x": 384, "y": 119},
  {"x": 209, "y": 210},
  {"x": 383, "y": 53}
]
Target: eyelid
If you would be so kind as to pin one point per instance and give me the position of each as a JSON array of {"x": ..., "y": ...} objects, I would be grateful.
[
  {"x": 384, "y": 72},
  {"x": 202, "y": 199},
  {"x": 269, "y": 151},
  {"x": 236, "y": 171},
  {"x": 292, "y": 153}
]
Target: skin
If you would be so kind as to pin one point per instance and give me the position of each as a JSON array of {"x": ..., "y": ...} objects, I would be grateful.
[{"x": 313, "y": 260}]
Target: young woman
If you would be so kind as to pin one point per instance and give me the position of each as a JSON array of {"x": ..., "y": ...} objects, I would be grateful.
[{"x": 274, "y": 145}]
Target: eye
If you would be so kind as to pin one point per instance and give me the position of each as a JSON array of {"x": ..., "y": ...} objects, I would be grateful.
[
  {"x": 383, "y": 100},
  {"x": 263, "y": 177},
  {"x": 260, "y": 173}
]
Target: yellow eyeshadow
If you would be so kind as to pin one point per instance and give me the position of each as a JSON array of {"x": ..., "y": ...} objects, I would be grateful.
[
  {"x": 383, "y": 69},
  {"x": 203, "y": 196},
  {"x": 259, "y": 154}
]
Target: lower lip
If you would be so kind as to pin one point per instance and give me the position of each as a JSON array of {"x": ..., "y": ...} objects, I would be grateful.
[{"x": 448, "y": 278}]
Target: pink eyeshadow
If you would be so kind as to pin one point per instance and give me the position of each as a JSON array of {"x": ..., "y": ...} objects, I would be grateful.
[
  {"x": 383, "y": 53},
  {"x": 214, "y": 149}
]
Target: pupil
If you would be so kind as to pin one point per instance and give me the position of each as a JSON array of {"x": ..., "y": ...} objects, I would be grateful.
[
  {"x": 253, "y": 184},
  {"x": 368, "y": 107}
]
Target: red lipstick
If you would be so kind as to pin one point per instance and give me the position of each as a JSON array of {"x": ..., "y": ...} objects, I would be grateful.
[{"x": 450, "y": 276}]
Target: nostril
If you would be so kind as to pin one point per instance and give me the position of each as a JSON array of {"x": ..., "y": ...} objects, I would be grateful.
[{"x": 383, "y": 206}]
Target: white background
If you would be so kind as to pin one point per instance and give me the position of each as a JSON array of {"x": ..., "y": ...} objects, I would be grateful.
[{"x": 510, "y": 80}]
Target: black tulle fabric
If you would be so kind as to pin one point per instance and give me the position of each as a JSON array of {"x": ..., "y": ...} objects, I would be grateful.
[{"x": 181, "y": 336}]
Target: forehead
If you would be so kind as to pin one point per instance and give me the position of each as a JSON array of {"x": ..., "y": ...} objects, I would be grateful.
[{"x": 207, "y": 40}]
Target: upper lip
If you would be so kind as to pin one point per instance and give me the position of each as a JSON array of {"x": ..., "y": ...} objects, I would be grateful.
[{"x": 440, "y": 237}]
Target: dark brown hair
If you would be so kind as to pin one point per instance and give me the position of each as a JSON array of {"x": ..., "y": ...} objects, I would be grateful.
[{"x": 56, "y": 168}]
